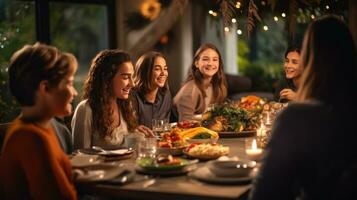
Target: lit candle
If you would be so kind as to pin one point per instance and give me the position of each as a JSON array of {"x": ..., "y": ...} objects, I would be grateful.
[
  {"x": 268, "y": 122},
  {"x": 254, "y": 153}
]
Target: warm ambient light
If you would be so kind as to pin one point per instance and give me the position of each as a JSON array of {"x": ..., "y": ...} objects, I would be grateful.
[
  {"x": 226, "y": 29},
  {"x": 238, "y": 4}
]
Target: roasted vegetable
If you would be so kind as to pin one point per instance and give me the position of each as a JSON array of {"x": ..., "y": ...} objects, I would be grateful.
[{"x": 191, "y": 133}]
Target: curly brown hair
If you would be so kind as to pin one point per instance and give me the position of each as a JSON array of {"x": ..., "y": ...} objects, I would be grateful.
[
  {"x": 218, "y": 81},
  {"x": 98, "y": 89}
]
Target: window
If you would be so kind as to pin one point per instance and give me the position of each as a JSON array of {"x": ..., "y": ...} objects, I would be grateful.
[{"x": 17, "y": 28}]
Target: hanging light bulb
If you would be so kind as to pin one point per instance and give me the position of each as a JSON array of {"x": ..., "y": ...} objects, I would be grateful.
[
  {"x": 283, "y": 14},
  {"x": 276, "y": 18},
  {"x": 210, "y": 12},
  {"x": 214, "y": 14},
  {"x": 312, "y": 16},
  {"x": 327, "y": 7},
  {"x": 234, "y": 20},
  {"x": 265, "y": 27},
  {"x": 226, "y": 29},
  {"x": 239, "y": 32}
]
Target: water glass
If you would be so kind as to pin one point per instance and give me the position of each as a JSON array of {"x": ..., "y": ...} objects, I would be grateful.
[
  {"x": 160, "y": 126},
  {"x": 147, "y": 148}
]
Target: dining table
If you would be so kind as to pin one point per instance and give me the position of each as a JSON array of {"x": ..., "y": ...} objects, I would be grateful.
[{"x": 182, "y": 187}]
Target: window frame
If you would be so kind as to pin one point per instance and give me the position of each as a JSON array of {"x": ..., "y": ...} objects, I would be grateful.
[{"x": 42, "y": 15}]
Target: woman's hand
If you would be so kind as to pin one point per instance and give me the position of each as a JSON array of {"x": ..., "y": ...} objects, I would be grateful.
[
  {"x": 143, "y": 129},
  {"x": 287, "y": 94}
]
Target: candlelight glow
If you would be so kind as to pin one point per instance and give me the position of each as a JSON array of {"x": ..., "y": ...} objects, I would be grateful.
[{"x": 254, "y": 144}]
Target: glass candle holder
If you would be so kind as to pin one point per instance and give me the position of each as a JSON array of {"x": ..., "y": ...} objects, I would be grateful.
[{"x": 252, "y": 150}]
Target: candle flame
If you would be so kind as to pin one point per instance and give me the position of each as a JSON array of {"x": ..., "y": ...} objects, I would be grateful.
[{"x": 254, "y": 144}]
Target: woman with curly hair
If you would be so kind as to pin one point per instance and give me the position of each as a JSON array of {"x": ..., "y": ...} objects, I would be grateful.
[
  {"x": 106, "y": 114},
  {"x": 205, "y": 85},
  {"x": 152, "y": 92}
]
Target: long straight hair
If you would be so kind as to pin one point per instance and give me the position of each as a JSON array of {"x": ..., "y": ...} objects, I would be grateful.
[
  {"x": 329, "y": 57},
  {"x": 218, "y": 81},
  {"x": 144, "y": 70}
]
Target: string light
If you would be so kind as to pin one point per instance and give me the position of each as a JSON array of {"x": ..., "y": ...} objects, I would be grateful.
[
  {"x": 238, "y": 4},
  {"x": 283, "y": 14},
  {"x": 234, "y": 20},
  {"x": 312, "y": 16},
  {"x": 276, "y": 18},
  {"x": 226, "y": 29},
  {"x": 239, "y": 32},
  {"x": 327, "y": 7},
  {"x": 211, "y": 12},
  {"x": 265, "y": 27}
]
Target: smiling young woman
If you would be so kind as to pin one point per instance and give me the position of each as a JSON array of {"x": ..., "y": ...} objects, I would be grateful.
[
  {"x": 293, "y": 71},
  {"x": 205, "y": 85},
  {"x": 152, "y": 92},
  {"x": 105, "y": 115}
]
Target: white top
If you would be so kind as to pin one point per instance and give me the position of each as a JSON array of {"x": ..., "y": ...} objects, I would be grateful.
[{"x": 84, "y": 137}]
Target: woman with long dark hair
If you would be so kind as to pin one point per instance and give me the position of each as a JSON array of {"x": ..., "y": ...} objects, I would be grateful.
[
  {"x": 106, "y": 113},
  {"x": 293, "y": 71},
  {"x": 205, "y": 85},
  {"x": 152, "y": 92},
  {"x": 313, "y": 141}
]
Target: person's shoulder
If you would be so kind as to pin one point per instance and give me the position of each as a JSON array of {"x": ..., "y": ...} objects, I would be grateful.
[
  {"x": 25, "y": 132},
  {"x": 304, "y": 111}
]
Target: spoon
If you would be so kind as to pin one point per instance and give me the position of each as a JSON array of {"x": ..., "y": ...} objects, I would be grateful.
[{"x": 100, "y": 149}]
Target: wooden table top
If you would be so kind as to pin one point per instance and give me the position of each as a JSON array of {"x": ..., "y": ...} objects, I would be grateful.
[{"x": 173, "y": 188}]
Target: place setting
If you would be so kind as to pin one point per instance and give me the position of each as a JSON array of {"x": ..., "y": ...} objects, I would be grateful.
[{"x": 226, "y": 172}]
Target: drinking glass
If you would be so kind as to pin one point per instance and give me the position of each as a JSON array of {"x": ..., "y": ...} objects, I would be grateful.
[
  {"x": 160, "y": 126},
  {"x": 147, "y": 148}
]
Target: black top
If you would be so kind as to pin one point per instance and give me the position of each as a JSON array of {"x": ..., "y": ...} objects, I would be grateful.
[
  {"x": 160, "y": 109},
  {"x": 289, "y": 84},
  {"x": 312, "y": 145}
]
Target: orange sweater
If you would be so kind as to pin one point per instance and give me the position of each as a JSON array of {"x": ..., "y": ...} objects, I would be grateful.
[{"x": 33, "y": 166}]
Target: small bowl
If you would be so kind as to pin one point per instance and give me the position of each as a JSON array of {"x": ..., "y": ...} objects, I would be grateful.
[{"x": 230, "y": 168}]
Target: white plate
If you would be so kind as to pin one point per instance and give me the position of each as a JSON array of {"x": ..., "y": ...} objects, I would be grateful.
[
  {"x": 84, "y": 160},
  {"x": 95, "y": 173},
  {"x": 205, "y": 175},
  {"x": 118, "y": 152}
]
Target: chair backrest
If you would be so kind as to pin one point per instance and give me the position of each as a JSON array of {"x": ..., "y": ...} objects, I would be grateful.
[{"x": 3, "y": 129}]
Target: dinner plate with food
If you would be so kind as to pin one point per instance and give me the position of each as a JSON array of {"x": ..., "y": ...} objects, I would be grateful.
[
  {"x": 171, "y": 143},
  {"x": 164, "y": 165},
  {"x": 206, "y": 151}
]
